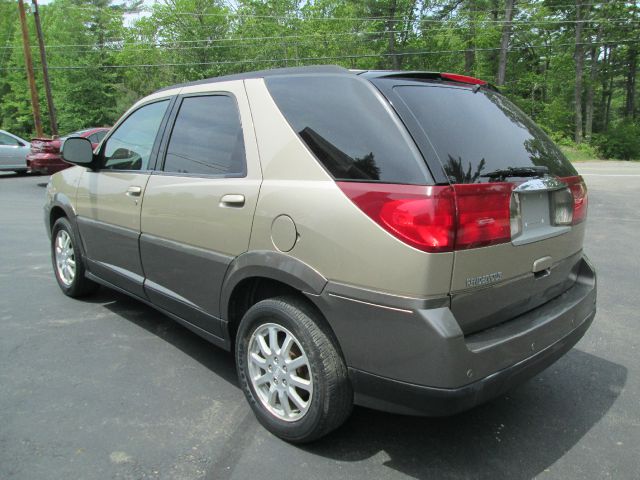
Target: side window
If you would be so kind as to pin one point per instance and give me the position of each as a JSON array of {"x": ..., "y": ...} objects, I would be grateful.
[
  {"x": 207, "y": 138},
  {"x": 129, "y": 148},
  {"x": 347, "y": 127},
  {"x": 7, "y": 140},
  {"x": 98, "y": 136},
  {"x": 94, "y": 138}
]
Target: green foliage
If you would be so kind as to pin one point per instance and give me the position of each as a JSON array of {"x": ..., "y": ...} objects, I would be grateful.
[
  {"x": 102, "y": 59},
  {"x": 622, "y": 141},
  {"x": 579, "y": 153}
]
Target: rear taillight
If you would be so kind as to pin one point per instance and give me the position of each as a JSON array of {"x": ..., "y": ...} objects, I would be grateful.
[
  {"x": 50, "y": 148},
  {"x": 579, "y": 191},
  {"x": 422, "y": 216},
  {"x": 46, "y": 146},
  {"x": 460, "y": 216},
  {"x": 483, "y": 214},
  {"x": 561, "y": 207},
  {"x": 437, "y": 218}
]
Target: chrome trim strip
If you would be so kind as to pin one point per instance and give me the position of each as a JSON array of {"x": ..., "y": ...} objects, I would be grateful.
[
  {"x": 540, "y": 184},
  {"x": 371, "y": 304}
]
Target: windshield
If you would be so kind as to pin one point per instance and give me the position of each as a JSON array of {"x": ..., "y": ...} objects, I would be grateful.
[{"x": 478, "y": 132}]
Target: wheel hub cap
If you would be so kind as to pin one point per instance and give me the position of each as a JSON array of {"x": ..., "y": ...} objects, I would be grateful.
[
  {"x": 65, "y": 258},
  {"x": 279, "y": 372}
]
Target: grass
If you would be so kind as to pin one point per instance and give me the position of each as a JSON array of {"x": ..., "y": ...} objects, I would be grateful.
[
  {"x": 585, "y": 153},
  {"x": 579, "y": 154}
]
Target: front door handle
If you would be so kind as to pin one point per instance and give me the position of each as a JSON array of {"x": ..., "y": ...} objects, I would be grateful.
[
  {"x": 134, "y": 191},
  {"x": 232, "y": 200}
]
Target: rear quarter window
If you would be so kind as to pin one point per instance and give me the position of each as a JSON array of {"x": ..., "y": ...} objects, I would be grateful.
[{"x": 349, "y": 129}]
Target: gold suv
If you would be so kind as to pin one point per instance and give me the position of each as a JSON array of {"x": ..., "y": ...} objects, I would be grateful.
[{"x": 406, "y": 241}]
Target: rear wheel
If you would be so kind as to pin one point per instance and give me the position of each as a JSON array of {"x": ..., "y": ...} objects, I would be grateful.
[
  {"x": 68, "y": 266},
  {"x": 291, "y": 370}
]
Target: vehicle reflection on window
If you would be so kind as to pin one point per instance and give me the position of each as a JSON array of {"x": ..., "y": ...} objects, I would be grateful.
[{"x": 129, "y": 148}]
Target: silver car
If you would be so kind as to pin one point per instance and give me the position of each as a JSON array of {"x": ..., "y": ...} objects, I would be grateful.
[
  {"x": 406, "y": 241},
  {"x": 13, "y": 152}
]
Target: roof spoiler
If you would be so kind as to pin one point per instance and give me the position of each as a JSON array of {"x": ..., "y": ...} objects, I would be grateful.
[{"x": 451, "y": 77}]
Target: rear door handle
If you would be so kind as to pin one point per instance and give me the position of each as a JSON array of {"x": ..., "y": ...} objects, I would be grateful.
[
  {"x": 232, "y": 200},
  {"x": 134, "y": 191}
]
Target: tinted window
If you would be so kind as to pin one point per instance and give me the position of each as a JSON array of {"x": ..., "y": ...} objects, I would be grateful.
[
  {"x": 8, "y": 140},
  {"x": 98, "y": 136},
  {"x": 348, "y": 128},
  {"x": 129, "y": 148},
  {"x": 78, "y": 133},
  {"x": 478, "y": 133},
  {"x": 207, "y": 138}
]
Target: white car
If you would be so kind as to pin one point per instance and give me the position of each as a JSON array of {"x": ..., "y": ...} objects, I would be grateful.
[{"x": 13, "y": 152}]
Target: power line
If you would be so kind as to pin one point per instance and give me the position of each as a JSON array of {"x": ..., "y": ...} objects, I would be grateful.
[
  {"x": 284, "y": 44},
  {"x": 123, "y": 42},
  {"x": 322, "y": 58},
  {"x": 391, "y": 20},
  {"x": 228, "y": 39},
  {"x": 332, "y": 18}
]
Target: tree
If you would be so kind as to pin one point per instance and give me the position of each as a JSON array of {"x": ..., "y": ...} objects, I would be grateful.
[
  {"x": 504, "y": 42},
  {"x": 579, "y": 60}
]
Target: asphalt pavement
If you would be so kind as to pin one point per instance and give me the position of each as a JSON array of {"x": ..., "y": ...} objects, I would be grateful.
[{"x": 107, "y": 388}]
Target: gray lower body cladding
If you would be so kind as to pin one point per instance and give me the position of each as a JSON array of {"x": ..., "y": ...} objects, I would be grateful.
[{"x": 407, "y": 359}]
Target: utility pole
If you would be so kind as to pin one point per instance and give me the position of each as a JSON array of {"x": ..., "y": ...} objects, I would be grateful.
[
  {"x": 30, "y": 76},
  {"x": 45, "y": 70}
]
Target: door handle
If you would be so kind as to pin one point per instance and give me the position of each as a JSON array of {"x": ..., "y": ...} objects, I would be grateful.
[
  {"x": 134, "y": 191},
  {"x": 232, "y": 200}
]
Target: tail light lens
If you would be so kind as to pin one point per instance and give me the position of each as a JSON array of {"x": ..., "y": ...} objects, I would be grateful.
[
  {"x": 437, "y": 218},
  {"x": 483, "y": 214},
  {"x": 579, "y": 191},
  {"x": 458, "y": 217},
  {"x": 422, "y": 216},
  {"x": 561, "y": 207},
  {"x": 45, "y": 146}
]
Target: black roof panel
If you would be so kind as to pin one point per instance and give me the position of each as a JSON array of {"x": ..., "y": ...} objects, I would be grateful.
[
  {"x": 319, "y": 70},
  {"x": 311, "y": 70}
]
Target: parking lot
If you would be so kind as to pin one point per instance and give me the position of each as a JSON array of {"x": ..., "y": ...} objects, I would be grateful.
[{"x": 109, "y": 388}]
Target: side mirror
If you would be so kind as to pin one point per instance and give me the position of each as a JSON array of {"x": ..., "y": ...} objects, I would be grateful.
[{"x": 78, "y": 151}]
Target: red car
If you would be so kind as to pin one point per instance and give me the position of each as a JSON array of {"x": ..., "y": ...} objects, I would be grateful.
[{"x": 45, "y": 154}]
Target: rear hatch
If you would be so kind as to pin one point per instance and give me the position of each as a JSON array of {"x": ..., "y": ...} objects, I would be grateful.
[{"x": 520, "y": 200}]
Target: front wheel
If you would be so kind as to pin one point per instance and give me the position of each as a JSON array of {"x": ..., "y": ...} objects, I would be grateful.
[
  {"x": 291, "y": 370},
  {"x": 67, "y": 261}
]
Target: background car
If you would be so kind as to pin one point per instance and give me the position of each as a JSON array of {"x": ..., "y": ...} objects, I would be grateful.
[
  {"x": 13, "y": 152},
  {"x": 45, "y": 154}
]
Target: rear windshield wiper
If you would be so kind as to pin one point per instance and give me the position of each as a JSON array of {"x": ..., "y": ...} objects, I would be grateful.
[{"x": 503, "y": 173}]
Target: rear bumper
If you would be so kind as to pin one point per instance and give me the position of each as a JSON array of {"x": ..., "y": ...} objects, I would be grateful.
[
  {"x": 409, "y": 356},
  {"x": 45, "y": 163},
  {"x": 400, "y": 397}
]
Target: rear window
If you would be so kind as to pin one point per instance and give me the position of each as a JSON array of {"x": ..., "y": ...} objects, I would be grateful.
[
  {"x": 474, "y": 134},
  {"x": 351, "y": 132}
]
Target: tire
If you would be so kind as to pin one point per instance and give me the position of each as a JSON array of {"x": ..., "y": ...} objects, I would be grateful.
[
  {"x": 321, "y": 384},
  {"x": 68, "y": 266}
]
